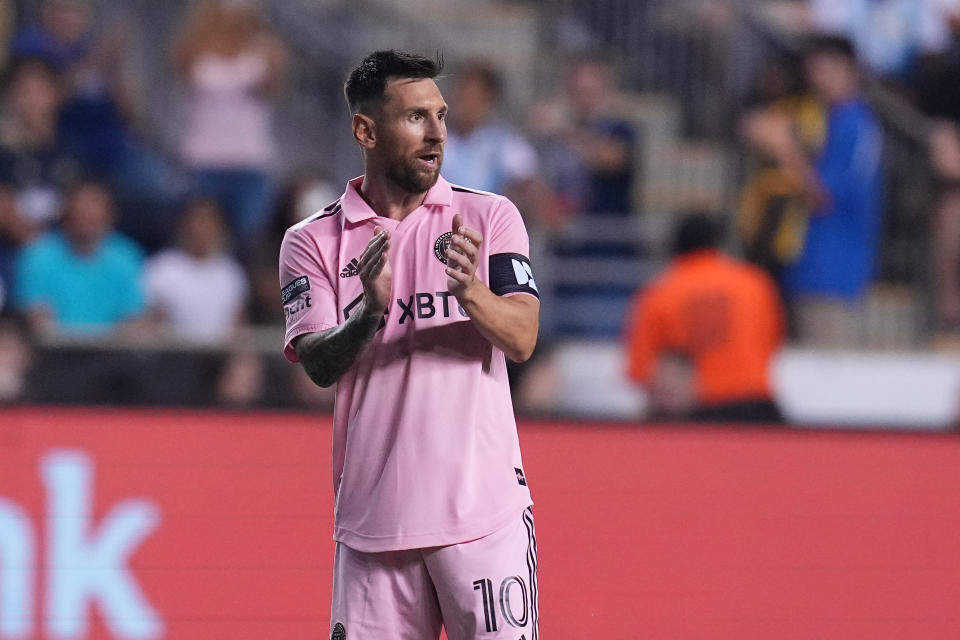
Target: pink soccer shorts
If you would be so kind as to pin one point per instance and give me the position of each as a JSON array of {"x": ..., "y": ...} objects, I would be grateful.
[{"x": 485, "y": 588}]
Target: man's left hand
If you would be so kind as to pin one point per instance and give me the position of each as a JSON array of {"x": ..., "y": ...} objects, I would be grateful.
[{"x": 462, "y": 258}]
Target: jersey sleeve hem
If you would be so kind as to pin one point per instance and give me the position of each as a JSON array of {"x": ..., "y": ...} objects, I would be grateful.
[
  {"x": 524, "y": 292},
  {"x": 288, "y": 350}
]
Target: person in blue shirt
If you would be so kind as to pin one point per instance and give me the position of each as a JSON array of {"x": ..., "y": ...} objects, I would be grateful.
[
  {"x": 828, "y": 281},
  {"x": 588, "y": 151},
  {"x": 482, "y": 151},
  {"x": 83, "y": 278}
]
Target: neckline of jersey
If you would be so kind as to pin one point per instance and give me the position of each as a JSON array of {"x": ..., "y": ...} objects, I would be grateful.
[{"x": 356, "y": 209}]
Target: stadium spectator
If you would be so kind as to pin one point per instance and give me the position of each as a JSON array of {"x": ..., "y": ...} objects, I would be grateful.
[
  {"x": 84, "y": 278},
  {"x": 484, "y": 152},
  {"x": 774, "y": 211},
  {"x": 197, "y": 289},
  {"x": 939, "y": 99},
  {"x": 588, "y": 153},
  {"x": 33, "y": 159},
  {"x": 98, "y": 91},
  {"x": 701, "y": 337},
  {"x": 62, "y": 38},
  {"x": 100, "y": 103},
  {"x": 232, "y": 66},
  {"x": 827, "y": 282}
]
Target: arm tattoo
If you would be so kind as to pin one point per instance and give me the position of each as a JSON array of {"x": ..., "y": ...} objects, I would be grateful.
[{"x": 327, "y": 355}]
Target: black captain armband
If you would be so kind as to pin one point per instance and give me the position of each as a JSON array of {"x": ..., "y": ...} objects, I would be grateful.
[{"x": 511, "y": 273}]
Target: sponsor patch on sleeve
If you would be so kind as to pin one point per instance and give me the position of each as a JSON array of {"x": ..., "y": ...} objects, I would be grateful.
[
  {"x": 298, "y": 285},
  {"x": 511, "y": 273}
]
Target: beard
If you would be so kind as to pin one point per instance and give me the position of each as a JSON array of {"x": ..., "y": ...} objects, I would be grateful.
[
  {"x": 407, "y": 174},
  {"x": 403, "y": 168}
]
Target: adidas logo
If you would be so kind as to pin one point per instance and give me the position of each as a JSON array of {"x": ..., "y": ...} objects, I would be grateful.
[{"x": 351, "y": 269}]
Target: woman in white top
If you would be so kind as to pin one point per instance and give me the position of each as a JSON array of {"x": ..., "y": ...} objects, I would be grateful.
[
  {"x": 232, "y": 66},
  {"x": 197, "y": 290}
]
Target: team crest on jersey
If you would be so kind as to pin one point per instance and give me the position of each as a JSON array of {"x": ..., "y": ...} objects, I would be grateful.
[
  {"x": 339, "y": 632},
  {"x": 441, "y": 245}
]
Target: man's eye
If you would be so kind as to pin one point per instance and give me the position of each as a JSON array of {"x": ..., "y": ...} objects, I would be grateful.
[
  {"x": 416, "y": 117},
  {"x": 441, "y": 116}
]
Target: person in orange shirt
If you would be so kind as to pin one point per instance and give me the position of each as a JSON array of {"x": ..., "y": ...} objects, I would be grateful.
[{"x": 700, "y": 338}]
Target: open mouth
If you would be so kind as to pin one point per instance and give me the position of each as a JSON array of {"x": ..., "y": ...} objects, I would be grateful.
[{"x": 430, "y": 159}]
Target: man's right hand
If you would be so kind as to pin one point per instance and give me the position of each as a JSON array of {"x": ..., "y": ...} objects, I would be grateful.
[
  {"x": 375, "y": 272},
  {"x": 327, "y": 355}
]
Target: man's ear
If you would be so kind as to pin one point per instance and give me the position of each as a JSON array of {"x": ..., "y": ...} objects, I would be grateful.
[{"x": 364, "y": 131}]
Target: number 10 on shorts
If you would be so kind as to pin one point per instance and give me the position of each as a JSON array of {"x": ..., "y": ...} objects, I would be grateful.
[{"x": 485, "y": 587}]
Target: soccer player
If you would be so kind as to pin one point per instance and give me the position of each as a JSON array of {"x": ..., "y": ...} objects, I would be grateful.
[{"x": 408, "y": 292}]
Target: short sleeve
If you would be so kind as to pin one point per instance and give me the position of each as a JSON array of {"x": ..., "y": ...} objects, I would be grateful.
[
  {"x": 507, "y": 231},
  {"x": 307, "y": 294},
  {"x": 510, "y": 269}
]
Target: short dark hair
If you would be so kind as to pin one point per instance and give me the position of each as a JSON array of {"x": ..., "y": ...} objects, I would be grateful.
[
  {"x": 366, "y": 83},
  {"x": 696, "y": 231},
  {"x": 832, "y": 45}
]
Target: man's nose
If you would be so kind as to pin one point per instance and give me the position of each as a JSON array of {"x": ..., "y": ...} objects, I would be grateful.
[{"x": 437, "y": 131}]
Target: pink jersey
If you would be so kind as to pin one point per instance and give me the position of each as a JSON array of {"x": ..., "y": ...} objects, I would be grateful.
[{"x": 425, "y": 448}]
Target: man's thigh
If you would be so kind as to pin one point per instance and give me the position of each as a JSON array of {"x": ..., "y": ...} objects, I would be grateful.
[
  {"x": 487, "y": 588},
  {"x": 385, "y": 596}
]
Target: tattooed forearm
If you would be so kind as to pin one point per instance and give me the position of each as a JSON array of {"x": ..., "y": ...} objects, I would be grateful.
[{"x": 327, "y": 355}]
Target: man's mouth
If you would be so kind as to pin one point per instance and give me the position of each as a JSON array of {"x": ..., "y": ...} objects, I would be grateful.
[{"x": 431, "y": 160}]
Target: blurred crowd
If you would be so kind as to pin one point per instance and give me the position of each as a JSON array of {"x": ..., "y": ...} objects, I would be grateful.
[
  {"x": 906, "y": 52},
  {"x": 810, "y": 222},
  {"x": 105, "y": 236}
]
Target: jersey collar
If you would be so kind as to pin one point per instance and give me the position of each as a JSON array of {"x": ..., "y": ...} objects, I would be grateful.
[{"x": 356, "y": 209}]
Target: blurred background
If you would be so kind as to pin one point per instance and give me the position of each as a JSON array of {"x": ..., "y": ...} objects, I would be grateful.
[
  {"x": 743, "y": 214},
  {"x": 151, "y": 155}
]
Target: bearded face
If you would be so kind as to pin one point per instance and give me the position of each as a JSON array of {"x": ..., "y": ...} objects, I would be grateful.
[{"x": 411, "y": 132}]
